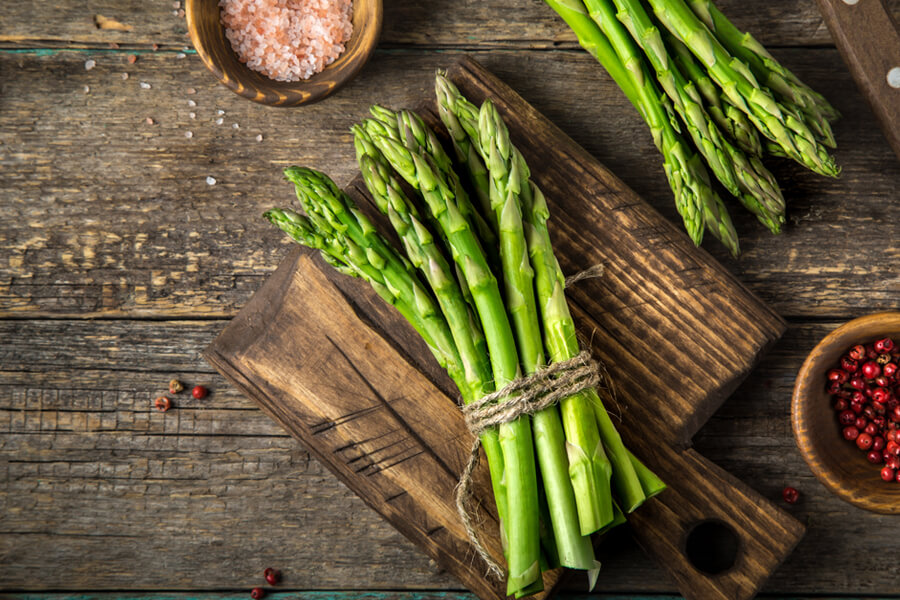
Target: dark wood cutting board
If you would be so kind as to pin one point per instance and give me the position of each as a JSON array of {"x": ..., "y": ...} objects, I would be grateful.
[{"x": 345, "y": 375}]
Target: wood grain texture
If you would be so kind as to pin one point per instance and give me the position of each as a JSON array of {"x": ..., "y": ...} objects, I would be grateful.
[
  {"x": 101, "y": 486},
  {"x": 524, "y": 24},
  {"x": 106, "y": 216},
  {"x": 208, "y": 37},
  {"x": 867, "y": 35},
  {"x": 839, "y": 465}
]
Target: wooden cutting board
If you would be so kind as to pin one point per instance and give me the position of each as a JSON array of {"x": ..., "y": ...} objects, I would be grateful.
[{"x": 345, "y": 375}]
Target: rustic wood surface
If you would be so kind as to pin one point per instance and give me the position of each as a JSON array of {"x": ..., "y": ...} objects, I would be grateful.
[
  {"x": 119, "y": 264},
  {"x": 289, "y": 349}
]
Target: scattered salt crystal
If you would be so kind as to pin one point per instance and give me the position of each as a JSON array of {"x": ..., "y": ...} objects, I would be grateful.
[
  {"x": 210, "y": 181},
  {"x": 235, "y": 126},
  {"x": 192, "y": 115},
  {"x": 259, "y": 138},
  {"x": 191, "y": 91},
  {"x": 220, "y": 112},
  {"x": 87, "y": 89},
  {"x": 180, "y": 55},
  {"x": 145, "y": 85},
  {"x": 287, "y": 41},
  {"x": 175, "y": 12},
  {"x": 188, "y": 134},
  {"x": 89, "y": 64},
  {"x": 219, "y": 121},
  {"x": 149, "y": 121},
  {"x": 124, "y": 76},
  {"x": 192, "y": 103}
]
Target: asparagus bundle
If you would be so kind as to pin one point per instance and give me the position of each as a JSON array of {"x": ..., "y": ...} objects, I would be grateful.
[
  {"x": 480, "y": 283},
  {"x": 722, "y": 89}
]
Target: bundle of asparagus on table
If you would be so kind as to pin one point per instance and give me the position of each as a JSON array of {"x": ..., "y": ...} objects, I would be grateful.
[
  {"x": 732, "y": 99},
  {"x": 479, "y": 281}
]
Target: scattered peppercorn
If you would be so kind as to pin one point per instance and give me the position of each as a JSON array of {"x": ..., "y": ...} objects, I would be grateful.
[
  {"x": 257, "y": 592},
  {"x": 790, "y": 495},
  {"x": 162, "y": 404},
  {"x": 272, "y": 576},
  {"x": 175, "y": 386},
  {"x": 199, "y": 392}
]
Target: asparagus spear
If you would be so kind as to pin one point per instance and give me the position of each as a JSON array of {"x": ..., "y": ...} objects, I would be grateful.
[
  {"x": 729, "y": 118},
  {"x": 714, "y": 214},
  {"x": 423, "y": 138},
  {"x": 466, "y": 153},
  {"x": 775, "y": 121},
  {"x": 771, "y": 73},
  {"x": 569, "y": 527},
  {"x": 335, "y": 227},
  {"x": 744, "y": 177},
  {"x": 515, "y": 437}
]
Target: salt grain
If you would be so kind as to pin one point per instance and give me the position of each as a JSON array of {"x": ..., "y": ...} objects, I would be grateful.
[
  {"x": 235, "y": 126},
  {"x": 191, "y": 91},
  {"x": 192, "y": 115},
  {"x": 191, "y": 103},
  {"x": 89, "y": 64},
  {"x": 220, "y": 112},
  {"x": 219, "y": 121},
  {"x": 287, "y": 41},
  {"x": 210, "y": 181},
  {"x": 87, "y": 89},
  {"x": 145, "y": 85},
  {"x": 259, "y": 138},
  {"x": 175, "y": 12},
  {"x": 180, "y": 55},
  {"x": 149, "y": 121},
  {"x": 124, "y": 76},
  {"x": 188, "y": 134}
]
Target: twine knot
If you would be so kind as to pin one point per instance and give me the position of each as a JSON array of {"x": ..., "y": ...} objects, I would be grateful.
[{"x": 524, "y": 396}]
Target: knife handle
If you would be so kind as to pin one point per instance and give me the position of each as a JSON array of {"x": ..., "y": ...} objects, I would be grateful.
[{"x": 868, "y": 39}]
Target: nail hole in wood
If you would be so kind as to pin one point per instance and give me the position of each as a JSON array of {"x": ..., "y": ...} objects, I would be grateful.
[{"x": 712, "y": 547}]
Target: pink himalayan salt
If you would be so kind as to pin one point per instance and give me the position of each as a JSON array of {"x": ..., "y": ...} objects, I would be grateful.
[{"x": 287, "y": 40}]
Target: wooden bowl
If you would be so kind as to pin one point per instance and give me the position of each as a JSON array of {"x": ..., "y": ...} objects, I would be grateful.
[
  {"x": 838, "y": 464},
  {"x": 208, "y": 37}
]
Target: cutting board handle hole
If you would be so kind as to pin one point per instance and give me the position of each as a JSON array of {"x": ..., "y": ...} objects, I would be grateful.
[{"x": 712, "y": 546}]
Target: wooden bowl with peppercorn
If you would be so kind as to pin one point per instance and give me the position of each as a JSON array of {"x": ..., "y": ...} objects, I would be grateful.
[
  {"x": 847, "y": 398},
  {"x": 241, "y": 43}
]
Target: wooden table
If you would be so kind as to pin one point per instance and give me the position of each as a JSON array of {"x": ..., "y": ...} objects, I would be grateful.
[{"x": 121, "y": 262}]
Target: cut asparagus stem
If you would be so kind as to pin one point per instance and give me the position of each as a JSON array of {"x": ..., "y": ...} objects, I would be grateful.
[{"x": 650, "y": 481}]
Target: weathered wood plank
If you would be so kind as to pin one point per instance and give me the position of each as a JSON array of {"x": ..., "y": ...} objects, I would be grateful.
[
  {"x": 103, "y": 215},
  {"x": 253, "y": 498},
  {"x": 441, "y": 23}
]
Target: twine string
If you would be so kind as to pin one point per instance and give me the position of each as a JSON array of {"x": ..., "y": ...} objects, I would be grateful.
[{"x": 524, "y": 396}]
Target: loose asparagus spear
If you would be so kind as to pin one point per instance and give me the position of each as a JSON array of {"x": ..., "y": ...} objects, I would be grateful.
[
  {"x": 771, "y": 73},
  {"x": 746, "y": 179},
  {"x": 714, "y": 214},
  {"x": 729, "y": 118},
  {"x": 515, "y": 437},
  {"x": 773, "y": 120}
]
